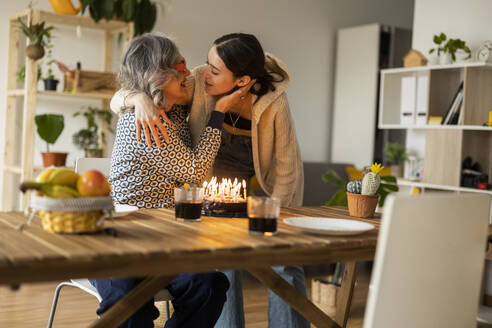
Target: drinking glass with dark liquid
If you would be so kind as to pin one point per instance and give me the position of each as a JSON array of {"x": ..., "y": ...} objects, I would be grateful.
[
  {"x": 263, "y": 213},
  {"x": 188, "y": 203}
]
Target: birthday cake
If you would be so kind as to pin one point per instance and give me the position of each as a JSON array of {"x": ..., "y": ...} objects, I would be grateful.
[{"x": 225, "y": 199}]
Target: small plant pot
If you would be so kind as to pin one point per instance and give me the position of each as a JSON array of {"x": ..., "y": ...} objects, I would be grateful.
[
  {"x": 445, "y": 59},
  {"x": 433, "y": 60},
  {"x": 93, "y": 152},
  {"x": 54, "y": 159},
  {"x": 362, "y": 206},
  {"x": 50, "y": 85},
  {"x": 34, "y": 51}
]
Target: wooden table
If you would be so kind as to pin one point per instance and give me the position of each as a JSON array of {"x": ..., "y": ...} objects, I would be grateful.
[{"x": 150, "y": 243}]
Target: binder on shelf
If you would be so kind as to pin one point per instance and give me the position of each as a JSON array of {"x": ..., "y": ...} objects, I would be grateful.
[
  {"x": 455, "y": 104},
  {"x": 421, "y": 102},
  {"x": 407, "y": 100}
]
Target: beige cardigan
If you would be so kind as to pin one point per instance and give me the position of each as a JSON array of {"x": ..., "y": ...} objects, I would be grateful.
[{"x": 276, "y": 155}]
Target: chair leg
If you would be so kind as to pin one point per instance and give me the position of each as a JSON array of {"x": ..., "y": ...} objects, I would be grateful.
[{"x": 55, "y": 301}]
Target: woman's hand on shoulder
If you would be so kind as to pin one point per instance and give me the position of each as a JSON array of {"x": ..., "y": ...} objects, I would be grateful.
[
  {"x": 225, "y": 103},
  {"x": 148, "y": 117}
]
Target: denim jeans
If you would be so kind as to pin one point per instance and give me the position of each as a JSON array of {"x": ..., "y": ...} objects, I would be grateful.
[
  {"x": 280, "y": 314},
  {"x": 197, "y": 300},
  {"x": 235, "y": 159}
]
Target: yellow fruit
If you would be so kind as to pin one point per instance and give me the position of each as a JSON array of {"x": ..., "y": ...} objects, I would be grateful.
[
  {"x": 64, "y": 177},
  {"x": 45, "y": 175},
  {"x": 49, "y": 190},
  {"x": 65, "y": 7}
]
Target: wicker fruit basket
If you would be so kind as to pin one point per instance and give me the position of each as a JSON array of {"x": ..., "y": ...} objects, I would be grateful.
[{"x": 71, "y": 215}]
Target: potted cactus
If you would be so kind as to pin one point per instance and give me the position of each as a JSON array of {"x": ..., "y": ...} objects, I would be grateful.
[{"x": 362, "y": 196}]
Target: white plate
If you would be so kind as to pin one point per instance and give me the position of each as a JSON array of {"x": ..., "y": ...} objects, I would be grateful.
[
  {"x": 329, "y": 226},
  {"x": 123, "y": 209}
]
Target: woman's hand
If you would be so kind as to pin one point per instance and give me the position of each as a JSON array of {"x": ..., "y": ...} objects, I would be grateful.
[
  {"x": 225, "y": 103},
  {"x": 148, "y": 117}
]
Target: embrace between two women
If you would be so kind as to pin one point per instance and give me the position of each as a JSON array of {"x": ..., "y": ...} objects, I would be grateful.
[{"x": 230, "y": 118}]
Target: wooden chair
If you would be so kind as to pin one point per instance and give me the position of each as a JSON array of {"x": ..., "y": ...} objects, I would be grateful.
[
  {"x": 429, "y": 262},
  {"x": 103, "y": 165}
]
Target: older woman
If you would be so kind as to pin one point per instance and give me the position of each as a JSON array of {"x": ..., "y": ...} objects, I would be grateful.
[{"x": 145, "y": 176}]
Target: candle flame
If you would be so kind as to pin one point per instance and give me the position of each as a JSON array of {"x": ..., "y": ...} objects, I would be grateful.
[{"x": 227, "y": 190}]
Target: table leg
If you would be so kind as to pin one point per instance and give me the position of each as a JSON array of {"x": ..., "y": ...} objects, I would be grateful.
[
  {"x": 293, "y": 297},
  {"x": 344, "y": 298},
  {"x": 127, "y": 306}
]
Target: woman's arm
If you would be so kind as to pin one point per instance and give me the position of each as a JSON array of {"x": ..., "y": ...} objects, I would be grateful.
[
  {"x": 286, "y": 153},
  {"x": 190, "y": 165}
]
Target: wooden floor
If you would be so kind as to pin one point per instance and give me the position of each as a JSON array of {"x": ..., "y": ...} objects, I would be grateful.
[{"x": 29, "y": 306}]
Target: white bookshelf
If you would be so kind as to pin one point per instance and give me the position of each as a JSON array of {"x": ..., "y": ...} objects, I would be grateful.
[{"x": 445, "y": 145}]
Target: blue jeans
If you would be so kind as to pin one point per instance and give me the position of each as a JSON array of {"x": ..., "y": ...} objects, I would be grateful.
[
  {"x": 197, "y": 300},
  {"x": 280, "y": 314}
]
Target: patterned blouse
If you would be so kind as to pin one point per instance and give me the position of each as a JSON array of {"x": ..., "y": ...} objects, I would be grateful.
[{"x": 146, "y": 176}]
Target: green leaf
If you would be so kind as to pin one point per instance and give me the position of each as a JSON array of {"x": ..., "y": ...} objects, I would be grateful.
[
  {"x": 390, "y": 188},
  {"x": 49, "y": 126},
  {"x": 128, "y": 9},
  {"x": 389, "y": 178},
  {"x": 332, "y": 177},
  {"x": 338, "y": 199}
]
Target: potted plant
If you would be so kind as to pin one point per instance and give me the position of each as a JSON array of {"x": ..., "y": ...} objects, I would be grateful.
[
  {"x": 89, "y": 138},
  {"x": 49, "y": 127},
  {"x": 362, "y": 196},
  {"x": 50, "y": 83},
  {"x": 388, "y": 184},
  {"x": 457, "y": 47},
  {"x": 448, "y": 48},
  {"x": 143, "y": 13},
  {"x": 36, "y": 34},
  {"x": 395, "y": 157}
]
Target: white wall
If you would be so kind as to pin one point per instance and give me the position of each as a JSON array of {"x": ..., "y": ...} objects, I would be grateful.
[
  {"x": 302, "y": 33},
  {"x": 469, "y": 20}
]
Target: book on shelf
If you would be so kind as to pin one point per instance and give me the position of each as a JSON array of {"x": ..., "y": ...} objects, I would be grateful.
[
  {"x": 455, "y": 118},
  {"x": 454, "y": 107}
]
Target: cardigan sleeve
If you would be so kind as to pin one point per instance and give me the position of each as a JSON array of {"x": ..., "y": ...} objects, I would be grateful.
[
  {"x": 286, "y": 153},
  {"x": 121, "y": 98}
]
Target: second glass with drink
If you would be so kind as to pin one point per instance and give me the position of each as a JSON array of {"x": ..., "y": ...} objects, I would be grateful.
[{"x": 263, "y": 213}]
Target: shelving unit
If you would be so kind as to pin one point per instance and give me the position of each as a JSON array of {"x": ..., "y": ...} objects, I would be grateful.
[
  {"x": 445, "y": 145},
  {"x": 13, "y": 172},
  {"x": 423, "y": 185}
]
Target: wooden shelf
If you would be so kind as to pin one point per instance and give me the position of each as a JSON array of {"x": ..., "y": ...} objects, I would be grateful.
[
  {"x": 86, "y": 95},
  {"x": 409, "y": 183},
  {"x": 29, "y": 94},
  {"x": 434, "y": 127},
  {"x": 83, "y": 21},
  {"x": 433, "y": 67}
]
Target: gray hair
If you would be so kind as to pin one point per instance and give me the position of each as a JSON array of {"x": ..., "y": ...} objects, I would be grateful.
[{"x": 146, "y": 64}]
